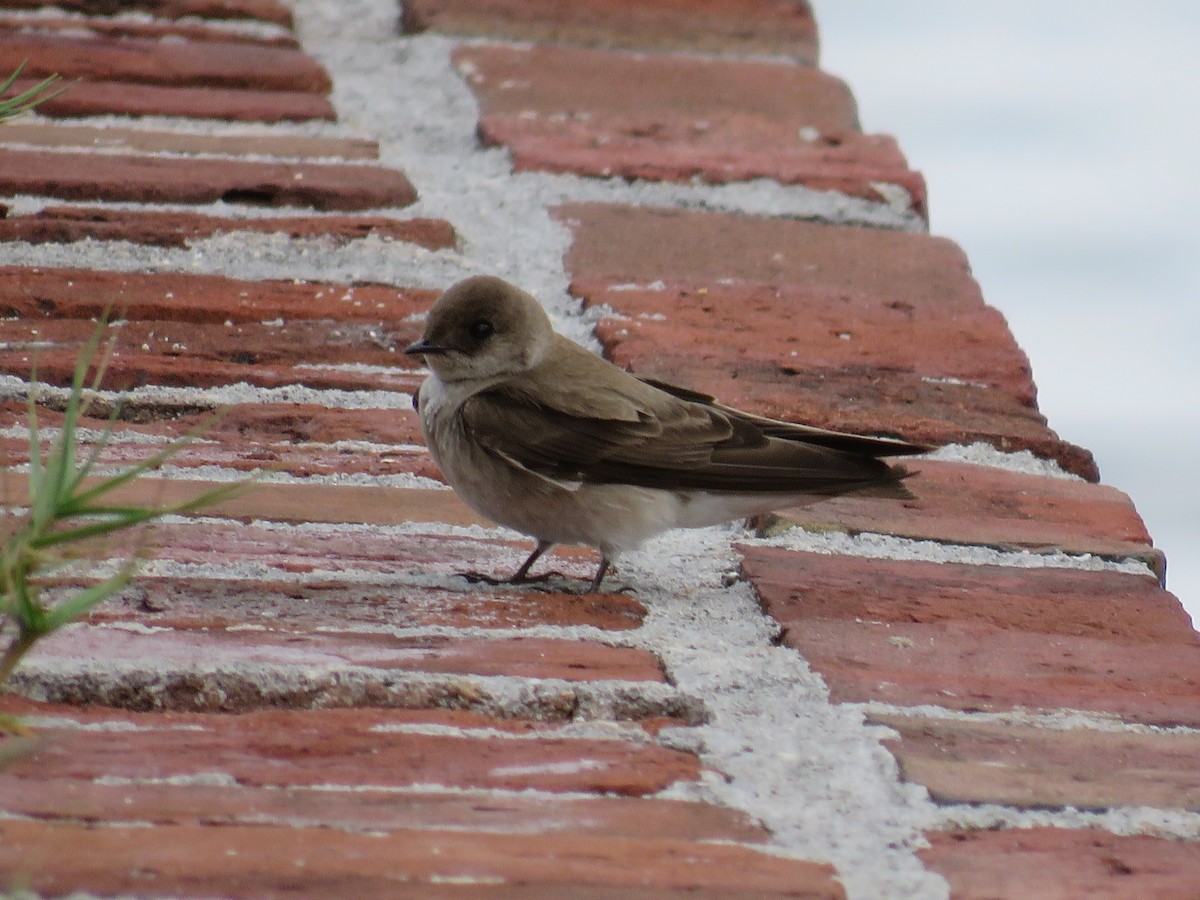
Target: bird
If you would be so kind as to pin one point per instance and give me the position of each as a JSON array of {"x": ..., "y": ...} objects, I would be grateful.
[{"x": 541, "y": 435}]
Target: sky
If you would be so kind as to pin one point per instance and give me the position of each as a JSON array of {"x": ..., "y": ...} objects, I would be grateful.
[{"x": 1060, "y": 143}]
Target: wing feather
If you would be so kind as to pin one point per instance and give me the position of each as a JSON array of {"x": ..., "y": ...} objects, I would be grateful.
[{"x": 649, "y": 434}]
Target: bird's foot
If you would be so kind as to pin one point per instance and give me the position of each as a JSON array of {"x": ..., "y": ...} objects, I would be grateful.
[{"x": 537, "y": 582}]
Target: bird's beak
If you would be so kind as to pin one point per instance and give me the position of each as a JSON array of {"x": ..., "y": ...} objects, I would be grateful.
[{"x": 424, "y": 348}]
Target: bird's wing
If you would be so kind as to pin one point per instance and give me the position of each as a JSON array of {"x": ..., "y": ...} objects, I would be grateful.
[
  {"x": 837, "y": 440},
  {"x": 633, "y": 432}
]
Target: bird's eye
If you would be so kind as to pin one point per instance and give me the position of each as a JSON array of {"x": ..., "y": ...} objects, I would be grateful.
[{"x": 481, "y": 330}]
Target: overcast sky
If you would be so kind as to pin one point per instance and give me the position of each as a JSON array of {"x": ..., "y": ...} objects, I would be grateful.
[{"x": 1060, "y": 144}]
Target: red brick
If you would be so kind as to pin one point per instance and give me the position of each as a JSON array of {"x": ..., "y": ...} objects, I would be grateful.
[
  {"x": 1058, "y": 864},
  {"x": 592, "y": 85},
  {"x": 873, "y": 268},
  {"x": 154, "y": 29},
  {"x": 65, "y": 224},
  {"x": 1038, "y": 768},
  {"x": 962, "y": 503},
  {"x": 263, "y": 10},
  {"x": 340, "y": 747},
  {"x": 725, "y": 26},
  {"x": 800, "y": 327},
  {"x": 269, "y": 435},
  {"x": 201, "y": 355},
  {"x": 238, "y": 861},
  {"x": 155, "y": 179},
  {"x": 514, "y": 657},
  {"x": 936, "y": 650},
  {"x": 103, "y": 98},
  {"x": 52, "y": 134},
  {"x": 170, "y": 63},
  {"x": 196, "y": 603},
  {"x": 674, "y": 118},
  {"x": 798, "y": 587},
  {"x": 363, "y": 809},
  {"x": 273, "y": 436},
  {"x": 31, "y": 292}
]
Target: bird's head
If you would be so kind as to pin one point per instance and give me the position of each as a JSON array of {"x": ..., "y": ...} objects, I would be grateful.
[{"x": 481, "y": 328}]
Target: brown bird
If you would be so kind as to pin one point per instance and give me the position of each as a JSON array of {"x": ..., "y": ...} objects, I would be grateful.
[{"x": 539, "y": 434}]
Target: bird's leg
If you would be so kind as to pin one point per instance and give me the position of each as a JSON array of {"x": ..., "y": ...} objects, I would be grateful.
[
  {"x": 520, "y": 576},
  {"x": 542, "y": 547},
  {"x": 599, "y": 576}
]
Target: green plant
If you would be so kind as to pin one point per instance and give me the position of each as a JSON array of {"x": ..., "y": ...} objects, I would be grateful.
[
  {"x": 69, "y": 509},
  {"x": 27, "y": 100}
]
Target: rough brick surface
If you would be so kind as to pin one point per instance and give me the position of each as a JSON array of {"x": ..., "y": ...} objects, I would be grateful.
[
  {"x": 326, "y": 747},
  {"x": 860, "y": 277},
  {"x": 84, "y": 294},
  {"x": 177, "y": 63},
  {"x": 65, "y": 224},
  {"x": 255, "y": 862},
  {"x": 597, "y": 113},
  {"x": 922, "y": 642},
  {"x": 727, "y": 26},
  {"x": 961, "y": 503},
  {"x": 152, "y": 28},
  {"x": 1058, "y": 864},
  {"x": 102, "y": 98},
  {"x": 264, "y": 143},
  {"x": 262, "y": 10},
  {"x": 1028, "y": 767},
  {"x": 154, "y": 179},
  {"x": 309, "y": 690}
]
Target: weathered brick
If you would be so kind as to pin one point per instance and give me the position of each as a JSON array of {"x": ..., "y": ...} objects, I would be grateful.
[
  {"x": 1124, "y": 608},
  {"x": 1011, "y": 653},
  {"x": 157, "y": 179},
  {"x": 677, "y": 118},
  {"x": 347, "y": 748},
  {"x": 233, "y": 648},
  {"x": 1039, "y": 768},
  {"x": 725, "y": 26},
  {"x": 256, "y": 861},
  {"x": 962, "y": 503},
  {"x": 196, "y": 603},
  {"x": 103, "y": 98},
  {"x": 1061, "y": 864},
  {"x": 296, "y": 439},
  {"x": 53, "y": 134},
  {"x": 173, "y": 63},
  {"x": 31, "y": 292},
  {"x": 801, "y": 327},
  {"x": 152, "y": 28},
  {"x": 317, "y": 353},
  {"x": 263, "y": 10},
  {"x": 66, "y": 224},
  {"x": 886, "y": 271}
]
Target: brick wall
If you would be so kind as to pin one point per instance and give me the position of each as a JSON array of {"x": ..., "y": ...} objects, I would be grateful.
[{"x": 984, "y": 692}]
